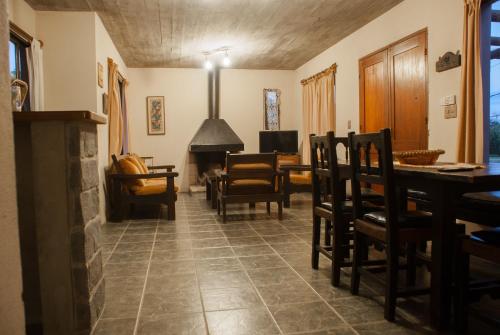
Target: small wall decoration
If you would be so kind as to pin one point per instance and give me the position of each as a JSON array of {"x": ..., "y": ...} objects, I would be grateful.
[
  {"x": 100, "y": 75},
  {"x": 448, "y": 61},
  {"x": 272, "y": 109},
  {"x": 105, "y": 103},
  {"x": 156, "y": 115}
]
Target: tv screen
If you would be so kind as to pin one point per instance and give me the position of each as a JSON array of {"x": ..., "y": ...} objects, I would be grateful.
[{"x": 285, "y": 141}]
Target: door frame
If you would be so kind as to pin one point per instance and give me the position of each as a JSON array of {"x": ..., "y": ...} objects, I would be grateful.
[{"x": 389, "y": 105}]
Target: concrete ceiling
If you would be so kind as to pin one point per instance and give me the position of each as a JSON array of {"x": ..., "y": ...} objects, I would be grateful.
[{"x": 261, "y": 34}]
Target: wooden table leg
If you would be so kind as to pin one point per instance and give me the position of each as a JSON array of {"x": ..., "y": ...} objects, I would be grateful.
[{"x": 443, "y": 202}]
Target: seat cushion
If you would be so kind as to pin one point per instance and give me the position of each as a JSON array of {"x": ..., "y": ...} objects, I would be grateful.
[
  {"x": 128, "y": 166},
  {"x": 418, "y": 195},
  {"x": 288, "y": 160},
  {"x": 152, "y": 186},
  {"x": 300, "y": 179},
  {"x": 487, "y": 236},
  {"x": 251, "y": 166},
  {"x": 250, "y": 182},
  {"x": 347, "y": 206},
  {"x": 409, "y": 219},
  {"x": 249, "y": 186},
  {"x": 483, "y": 199}
]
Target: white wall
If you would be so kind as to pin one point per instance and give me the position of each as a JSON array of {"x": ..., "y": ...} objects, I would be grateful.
[
  {"x": 22, "y": 15},
  {"x": 443, "y": 19},
  {"x": 11, "y": 303},
  {"x": 186, "y": 106}
]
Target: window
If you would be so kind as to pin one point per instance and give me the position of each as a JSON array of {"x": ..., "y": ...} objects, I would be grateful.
[
  {"x": 271, "y": 109},
  {"x": 491, "y": 29},
  {"x": 18, "y": 60}
]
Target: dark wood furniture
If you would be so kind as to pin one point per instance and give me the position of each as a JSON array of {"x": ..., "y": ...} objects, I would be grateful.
[
  {"x": 125, "y": 196},
  {"x": 295, "y": 176},
  {"x": 211, "y": 188},
  {"x": 483, "y": 244},
  {"x": 445, "y": 191},
  {"x": 390, "y": 227},
  {"x": 250, "y": 178}
]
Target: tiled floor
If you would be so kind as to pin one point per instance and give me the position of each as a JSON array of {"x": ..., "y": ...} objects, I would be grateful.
[{"x": 251, "y": 275}]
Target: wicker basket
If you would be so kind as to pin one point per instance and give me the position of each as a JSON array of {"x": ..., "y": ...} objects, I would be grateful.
[{"x": 418, "y": 157}]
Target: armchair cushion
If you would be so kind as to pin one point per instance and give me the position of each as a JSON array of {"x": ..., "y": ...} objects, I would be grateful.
[
  {"x": 251, "y": 166},
  {"x": 128, "y": 166},
  {"x": 152, "y": 186},
  {"x": 139, "y": 163},
  {"x": 288, "y": 160},
  {"x": 300, "y": 179}
]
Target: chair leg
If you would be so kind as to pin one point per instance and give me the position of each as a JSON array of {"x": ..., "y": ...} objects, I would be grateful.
[
  {"x": 328, "y": 236},
  {"x": 461, "y": 302},
  {"x": 411, "y": 264},
  {"x": 171, "y": 210},
  {"x": 223, "y": 211},
  {"x": 251, "y": 205},
  {"x": 268, "y": 208},
  {"x": 391, "y": 286},
  {"x": 315, "y": 241},
  {"x": 356, "y": 262},
  {"x": 218, "y": 207},
  {"x": 337, "y": 254},
  {"x": 280, "y": 210}
]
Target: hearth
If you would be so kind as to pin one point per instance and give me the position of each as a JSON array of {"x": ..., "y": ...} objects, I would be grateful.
[{"x": 214, "y": 137}]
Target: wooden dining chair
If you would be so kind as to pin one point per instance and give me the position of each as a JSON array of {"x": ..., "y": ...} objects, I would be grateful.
[
  {"x": 484, "y": 244},
  {"x": 391, "y": 227},
  {"x": 331, "y": 203}
]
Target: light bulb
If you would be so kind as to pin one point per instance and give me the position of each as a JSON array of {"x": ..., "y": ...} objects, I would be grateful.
[
  {"x": 226, "y": 61},
  {"x": 208, "y": 65}
]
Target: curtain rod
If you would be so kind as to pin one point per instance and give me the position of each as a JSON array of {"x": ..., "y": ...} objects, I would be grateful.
[
  {"x": 119, "y": 74},
  {"x": 331, "y": 69},
  {"x": 22, "y": 34}
]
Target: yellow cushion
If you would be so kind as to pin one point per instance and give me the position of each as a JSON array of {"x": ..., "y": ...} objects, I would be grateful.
[
  {"x": 152, "y": 186},
  {"x": 139, "y": 163},
  {"x": 129, "y": 167},
  {"x": 251, "y": 166},
  {"x": 250, "y": 182},
  {"x": 288, "y": 160},
  {"x": 300, "y": 179}
]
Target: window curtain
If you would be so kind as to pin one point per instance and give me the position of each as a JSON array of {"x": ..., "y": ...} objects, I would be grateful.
[
  {"x": 115, "y": 118},
  {"x": 126, "y": 130},
  {"x": 35, "y": 69},
  {"x": 470, "y": 131},
  {"x": 318, "y": 107}
]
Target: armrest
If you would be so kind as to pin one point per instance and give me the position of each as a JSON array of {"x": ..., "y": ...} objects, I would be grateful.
[
  {"x": 296, "y": 167},
  {"x": 145, "y": 176},
  {"x": 169, "y": 168}
]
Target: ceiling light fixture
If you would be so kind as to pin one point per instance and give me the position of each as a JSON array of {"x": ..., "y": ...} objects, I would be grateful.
[
  {"x": 226, "y": 61},
  {"x": 208, "y": 65}
]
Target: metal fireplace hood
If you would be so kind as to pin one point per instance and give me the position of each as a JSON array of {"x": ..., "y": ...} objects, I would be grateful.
[{"x": 215, "y": 134}]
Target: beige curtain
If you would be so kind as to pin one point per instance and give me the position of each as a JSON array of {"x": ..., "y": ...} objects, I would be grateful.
[
  {"x": 318, "y": 107},
  {"x": 114, "y": 111},
  {"x": 470, "y": 131}
]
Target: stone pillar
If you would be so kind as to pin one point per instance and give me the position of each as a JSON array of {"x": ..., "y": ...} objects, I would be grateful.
[{"x": 59, "y": 192}]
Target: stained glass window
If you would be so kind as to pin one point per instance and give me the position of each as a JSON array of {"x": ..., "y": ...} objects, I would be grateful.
[{"x": 272, "y": 109}]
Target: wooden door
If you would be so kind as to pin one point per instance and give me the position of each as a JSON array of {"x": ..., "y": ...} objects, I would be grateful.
[
  {"x": 393, "y": 92},
  {"x": 374, "y": 90},
  {"x": 408, "y": 78}
]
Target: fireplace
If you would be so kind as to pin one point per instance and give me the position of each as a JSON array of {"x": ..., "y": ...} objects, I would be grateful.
[{"x": 213, "y": 139}]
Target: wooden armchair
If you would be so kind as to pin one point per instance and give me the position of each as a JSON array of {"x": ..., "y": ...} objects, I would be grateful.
[
  {"x": 296, "y": 176},
  {"x": 250, "y": 178},
  {"x": 133, "y": 183}
]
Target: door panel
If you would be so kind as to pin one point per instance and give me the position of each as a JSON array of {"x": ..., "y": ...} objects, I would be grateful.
[
  {"x": 393, "y": 92},
  {"x": 409, "y": 94}
]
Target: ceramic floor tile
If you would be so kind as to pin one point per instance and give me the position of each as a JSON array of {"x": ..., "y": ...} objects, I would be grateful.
[
  {"x": 165, "y": 284},
  {"x": 288, "y": 293},
  {"x": 169, "y": 268},
  {"x": 261, "y": 262},
  {"x": 175, "y": 324},
  {"x": 253, "y": 250},
  {"x": 241, "y": 322},
  {"x": 210, "y": 243},
  {"x": 125, "y": 269},
  {"x": 274, "y": 276},
  {"x": 230, "y": 298},
  {"x": 212, "y": 280},
  {"x": 218, "y": 264},
  {"x": 157, "y": 303},
  {"x": 213, "y": 253},
  {"x": 115, "y": 327},
  {"x": 305, "y": 317}
]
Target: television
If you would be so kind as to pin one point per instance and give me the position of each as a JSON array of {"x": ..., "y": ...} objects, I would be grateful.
[{"x": 283, "y": 141}]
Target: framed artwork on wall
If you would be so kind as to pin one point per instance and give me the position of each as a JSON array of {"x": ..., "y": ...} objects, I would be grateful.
[
  {"x": 156, "y": 115},
  {"x": 272, "y": 109}
]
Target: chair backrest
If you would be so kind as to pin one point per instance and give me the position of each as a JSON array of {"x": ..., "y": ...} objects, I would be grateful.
[
  {"x": 327, "y": 182},
  {"x": 251, "y": 166},
  {"x": 116, "y": 164},
  {"x": 372, "y": 163}
]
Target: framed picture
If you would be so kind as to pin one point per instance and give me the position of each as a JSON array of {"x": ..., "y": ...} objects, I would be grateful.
[
  {"x": 156, "y": 115},
  {"x": 272, "y": 109},
  {"x": 100, "y": 75}
]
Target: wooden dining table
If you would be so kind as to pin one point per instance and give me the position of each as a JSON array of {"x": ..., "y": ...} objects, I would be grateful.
[{"x": 444, "y": 190}]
